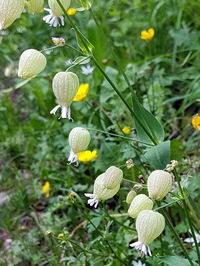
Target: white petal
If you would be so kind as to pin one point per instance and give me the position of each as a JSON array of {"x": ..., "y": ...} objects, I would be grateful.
[{"x": 54, "y": 110}]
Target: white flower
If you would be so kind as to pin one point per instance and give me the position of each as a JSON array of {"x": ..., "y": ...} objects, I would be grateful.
[
  {"x": 53, "y": 20},
  {"x": 191, "y": 239},
  {"x": 138, "y": 263},
  {"x": 92, "y": 200},
  {"x": 144, "y": 248},
  {"x": 86, "y": 70}
]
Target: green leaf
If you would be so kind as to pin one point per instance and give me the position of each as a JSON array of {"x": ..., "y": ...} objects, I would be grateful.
[
  {"x": 175, "y": 260},
  {"x": 159, "y": 155},
  {"x": 83, "y": 43},
  {"x": 146, "y": 122}
]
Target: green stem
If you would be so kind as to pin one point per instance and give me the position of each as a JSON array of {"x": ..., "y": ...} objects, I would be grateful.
[
  {"x": 187, "y": 214},
  {"x": 104, "y": 74},
  {"x": 78, "y": 63},
  {"x": 120, "y": 136},
  {"x": 165, "y": 214}
]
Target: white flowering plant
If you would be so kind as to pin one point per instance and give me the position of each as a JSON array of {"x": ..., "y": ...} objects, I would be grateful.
[{"x": 115, "y": 181}]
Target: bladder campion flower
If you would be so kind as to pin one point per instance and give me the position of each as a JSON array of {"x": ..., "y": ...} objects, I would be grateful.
[
  {"x": 10, "y": 10},
  {"x": 126, "y": 130},
  {"x": 159, "y": 183},
  {"x": 46, "y": 189},
  {"x": 65, "y": 86},
  {"x": 87, "y": 156},
  {"x": 196, "y": 122},
  {"x": 147, "y": 35},
  {"x": 31, "y": 63},
  {"x": 71, "y": 11},
  {"x": 35, "y": 6},
  {"x": 81, "y": 93},
  {"x": 106, "y": 186},
  {"x": 55, "y": 12},
  {"x": 149, "y": 225},
  {"x": 139, "y": 203},
  {"x": 79, "y": 139}
]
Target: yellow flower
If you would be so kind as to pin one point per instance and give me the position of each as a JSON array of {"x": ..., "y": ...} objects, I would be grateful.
[
  {"x": 46, "y": 188},
  {"x": 126, "y": 130},
  {"x": 147, "y": 35},
  {"x": 196, "y": 122},
  {"x": 86, "y": 156},
  {"x": 81, "y": 93},
  {"x": 71, "y": 11}
]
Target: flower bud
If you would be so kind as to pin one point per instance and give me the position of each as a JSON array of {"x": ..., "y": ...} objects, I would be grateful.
[
  {"x": 79, "y": 139},
  {"x": 130, "y": 196},
  {"x": 65, "y": 86},
  {"x": 159, "y": 183},
  {"x": 10, "y": 10},
  {"x": 35, "y": 6},
  {"x": 31, "y": 63},
  {"x": 56, "y": 9},
  {"x": 149, "y": 225},
  {"x": 113, "y": 177},
  {"x": 139, "y": 203}
]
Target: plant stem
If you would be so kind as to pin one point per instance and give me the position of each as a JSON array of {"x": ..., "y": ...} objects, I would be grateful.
[
  {"x": 120, "y": 136},
  {"x": 165, "y": 214},
  {"x": 187, "y": 214}
]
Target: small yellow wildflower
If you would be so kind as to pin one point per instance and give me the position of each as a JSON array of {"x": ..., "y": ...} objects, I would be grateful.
[
  {"x": 46, "y": 188},
  {"x": 61, "y": 236},
  {"x": 86, "y": 156},
  {"x": 71, "y": 11},
  {"x": 147, "y": 35},
  {"x": 126, "y": 130},
  {"x": 72, "y": 195},
  {"x": 81, "y": 93},
  {"x": 196, "y": 122}
]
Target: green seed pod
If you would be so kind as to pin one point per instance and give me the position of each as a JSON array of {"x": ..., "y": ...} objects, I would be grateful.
[
  {"x": 56, "y": 9},
  {"x": 149, "y": 225},
  {"x": 139, "y": 203},
  {"x": 130, "y": 196},
  {"x": 31, "y": 63},
  {"x": 10, "y": 10},
  {"x": 34, "y": 6},
  {"x": 159, "y": 183},
  {"x": 113, "y": 177}
]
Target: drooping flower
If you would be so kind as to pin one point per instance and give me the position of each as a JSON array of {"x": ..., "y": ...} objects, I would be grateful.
[
  {"x": 71, "y": 11},
  {"x": 65, "y": 86},
  {"x": 56, "y": 13},
  {"x": 149, "y": 225},
  {"x": 147, "y": 35},
  {"x": 81, "y": 93},
  {"x": 106, "y": 186},
  {"x": 87, "y": 156},
  {"x": 31, "y": 63},
  {"x": 79, "y": 139},
  {"x": 139, "y": 203},
  {"x": 126, "y": 130},
  {"x": 46, "y": 189},
  {"x": 196, "y": 122},
  {"x": 130, "y": 196},
  {"x": 34, "y": 6},
  {"x": 86, "y": 70},
  {"x": 159, "y": 183},
  {"x": 10, "y": 10}
]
